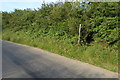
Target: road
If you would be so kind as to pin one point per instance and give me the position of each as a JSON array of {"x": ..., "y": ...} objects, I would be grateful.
[{"x": 20, "y": 61}]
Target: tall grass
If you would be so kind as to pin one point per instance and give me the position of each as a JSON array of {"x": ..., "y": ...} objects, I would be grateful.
[{"x": 97, "y": 55}]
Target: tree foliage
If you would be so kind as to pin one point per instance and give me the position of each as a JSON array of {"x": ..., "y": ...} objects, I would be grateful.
[{"x": 61, "y": 20}]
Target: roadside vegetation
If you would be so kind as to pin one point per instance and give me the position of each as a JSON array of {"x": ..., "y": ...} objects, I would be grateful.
[{"x": 55, "y": 27}]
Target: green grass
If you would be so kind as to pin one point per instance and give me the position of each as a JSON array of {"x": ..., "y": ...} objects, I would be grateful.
[{"x": 96, "y": 55}]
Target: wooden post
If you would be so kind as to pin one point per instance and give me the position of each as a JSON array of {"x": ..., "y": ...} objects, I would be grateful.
[{"x": 79, "y": 34}]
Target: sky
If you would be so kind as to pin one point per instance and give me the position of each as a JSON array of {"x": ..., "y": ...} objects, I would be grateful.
[{"x": 10, "y": 5}]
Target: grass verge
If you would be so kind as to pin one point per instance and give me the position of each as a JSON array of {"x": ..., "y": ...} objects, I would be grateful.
[{"x": 96, "y": 55}]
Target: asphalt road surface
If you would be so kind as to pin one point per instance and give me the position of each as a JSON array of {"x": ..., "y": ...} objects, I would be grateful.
[{"x": 20, "y": 61}]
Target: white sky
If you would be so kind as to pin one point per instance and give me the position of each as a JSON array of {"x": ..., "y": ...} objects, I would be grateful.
[
  {"x": 10, "y": 5},
  {"x": 28, "y": 0}
]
